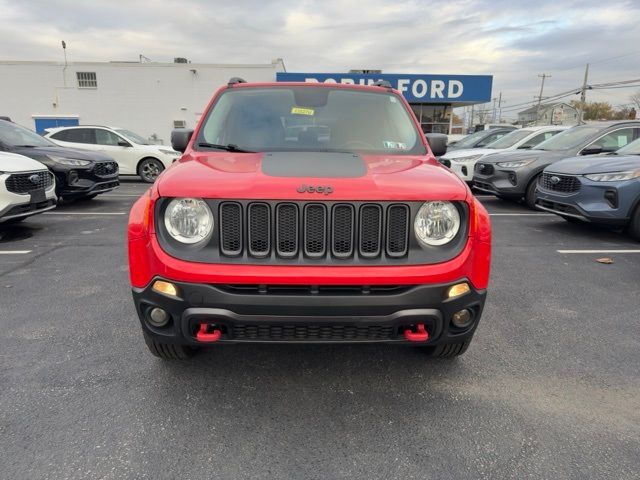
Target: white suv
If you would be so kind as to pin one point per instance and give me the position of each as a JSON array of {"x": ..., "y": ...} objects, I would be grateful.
[
  {"x": 462, "y": 161},
  {"x": 27, "y": 187},
  {"x": 132, "y": 152}
]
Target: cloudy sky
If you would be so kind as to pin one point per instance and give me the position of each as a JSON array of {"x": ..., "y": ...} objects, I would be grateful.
[{"x": 511, "y": 39}]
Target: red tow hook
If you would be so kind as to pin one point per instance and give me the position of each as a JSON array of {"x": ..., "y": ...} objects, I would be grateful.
[
  {"x": 420, "y": 335},
  {"x": 203, "y": 335}
]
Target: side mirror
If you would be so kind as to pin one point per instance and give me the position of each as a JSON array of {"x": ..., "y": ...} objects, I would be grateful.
[
  {"x": 122, "y": 143},
  {"x": 438, "y": 143},
  {"x": 180, "y": 138},
  {"x": 591, "y": 150},
  {"x": 525, "y": 147}
]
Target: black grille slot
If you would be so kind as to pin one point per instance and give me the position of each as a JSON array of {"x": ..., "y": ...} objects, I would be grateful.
[
  {"x": 259, "y": 229},
  {"x": 231, "y": 229},
  {"x": 287, "y": 230},
  {"x": 331, "y": 333},
  {"x": 315, "y": 230},
  {"x": 397, "y": 230},
  {"x": 106, "y": 169},
  {"x": 370, "y": 230},
  {"x": 343, "y": 230},
  {"x": 559, "y": 183},
  {"x": 28, "y": 182}
]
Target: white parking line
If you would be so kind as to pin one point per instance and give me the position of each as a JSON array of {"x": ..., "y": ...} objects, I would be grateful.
[
  {"x": 120, "y": 195},
  {"x": 14, "y": 252},
  {"x": 88, "y": 214},
  {"x": 598, "y": 251}
]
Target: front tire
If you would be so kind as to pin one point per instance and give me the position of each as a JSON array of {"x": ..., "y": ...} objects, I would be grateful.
[
  {"x": 448, "y": 350},
  {"x": 634, "y": 225},
  {"x": 168, "y": 351},
  {"x": 149, "y": 169},
  {"x": 530, "y": 194}
]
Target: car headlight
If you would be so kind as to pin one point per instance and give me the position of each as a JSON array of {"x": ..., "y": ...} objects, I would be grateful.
[
  {"x": 515, "y": 164},
  {"x": 436, "y": 223},
  {"x": 188, "y": 220},
  {"x": 72, "y": 162},
  {"x": 470, "y": 158},
  {"x": 173, "y": 153},
  {"x": 613, "y": 176}
]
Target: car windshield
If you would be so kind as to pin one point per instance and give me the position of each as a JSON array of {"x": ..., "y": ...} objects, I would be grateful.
[
  {"x": 132, "y": 137},
  {"x": 310, "y": 119},
  {"x": 509, "y": 140},
  {"x": 632, "y": 148},
  {"x": 572, "y": 138},
  {"x": 470, "y": 140},
  {"x": 14, "y": 135}
]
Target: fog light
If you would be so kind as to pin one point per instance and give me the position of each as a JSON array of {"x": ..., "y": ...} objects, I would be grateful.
[
  {"x": 165, "y": 287},
  {"x": 458, "y": 289},
  {"x": 73, "y": 176},
  {"x": 462, "y": 319},
  {"x": 158, "y": 317}
]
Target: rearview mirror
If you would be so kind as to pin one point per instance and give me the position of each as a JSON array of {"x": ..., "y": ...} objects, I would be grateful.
[
  {"x": 123, "y": 143},
  {"x": 180, "y": 138},
  {"x": 591, "y": 150},
  {"x": 438, "y": 143}
]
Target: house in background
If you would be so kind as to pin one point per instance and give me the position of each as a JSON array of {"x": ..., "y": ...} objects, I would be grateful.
[{"x": 549, "y": 114}]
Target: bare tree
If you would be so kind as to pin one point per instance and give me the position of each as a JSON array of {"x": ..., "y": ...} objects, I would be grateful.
[{"x": 635, "y": 98}]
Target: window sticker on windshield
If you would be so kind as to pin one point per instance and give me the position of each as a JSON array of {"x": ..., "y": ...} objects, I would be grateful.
[
  {"x": 392, "y": 99},
  {"x": 395, "y": 145},
  {"x": 622, "y": 140},
  {"x": 302, "y": 111}
]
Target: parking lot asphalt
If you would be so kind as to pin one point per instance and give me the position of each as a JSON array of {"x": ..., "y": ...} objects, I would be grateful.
[{"x": 549, "y": 388}]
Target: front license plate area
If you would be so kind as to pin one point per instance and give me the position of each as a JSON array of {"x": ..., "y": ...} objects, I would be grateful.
[{"x": 38, "y": 196}]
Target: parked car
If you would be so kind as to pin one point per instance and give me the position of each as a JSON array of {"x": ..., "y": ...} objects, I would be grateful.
[
  {"x": 463, "y": 160},
  {"x": 479, "y": 139},
  {"x": 493, "y": 126},
  {"x": 27, "y": 187},
  {"x": 132, "y": 152},
  {"x": 514, "y": 175},
  {"x": 79, "y": 174},
  {"x": 602, "y": 189},
  {"x": 349, "y": 233}
]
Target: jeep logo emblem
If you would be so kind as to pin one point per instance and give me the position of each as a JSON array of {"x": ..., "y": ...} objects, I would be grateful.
[
  {"x": 326, "y": 189},
  {"x": 554, "y": 180}
]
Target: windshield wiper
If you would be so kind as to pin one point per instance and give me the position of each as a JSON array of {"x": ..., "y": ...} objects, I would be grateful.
[
  {"x": 231, "y": 147},
  {"x": 25, "y": 146}
]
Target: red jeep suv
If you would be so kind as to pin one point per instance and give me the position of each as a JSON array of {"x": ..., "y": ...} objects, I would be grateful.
[{"x": 308, "y": 213}]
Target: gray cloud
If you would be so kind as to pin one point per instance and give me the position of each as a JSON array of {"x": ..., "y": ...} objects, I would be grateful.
[{"x": 514, "y": 41}]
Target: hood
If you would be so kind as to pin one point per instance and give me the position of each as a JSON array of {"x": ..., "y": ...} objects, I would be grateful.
[
  {"x": 468, "y": 152},
  {"x": 596, "y": 164},
  {"x": 282, "y": 175},
  {"x": 40, "y": 153},
  {"x": 12, "y": 162},
  {"x": 512, "y": 155}
]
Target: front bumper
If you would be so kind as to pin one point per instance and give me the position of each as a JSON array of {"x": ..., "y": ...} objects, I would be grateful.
[
  {"x": 607, "y": 203},
  {"x": 79, "y": 182},
  {"x": 309, "y": 314},
  {"x": 19, "y": 205},
  {"x": 503, "y": 182},
  {"x": 463, "y": 169}
]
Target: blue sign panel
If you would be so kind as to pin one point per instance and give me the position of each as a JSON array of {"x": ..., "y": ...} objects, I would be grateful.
[{"x": 415, "y": 88}]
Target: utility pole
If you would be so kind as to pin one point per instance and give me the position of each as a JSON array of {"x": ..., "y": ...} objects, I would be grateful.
[
  {"x": 470, "y": 129},
  {"x": 543, "y": 76},
  {"x": 493, "y": 112},
  {"x": 500, "y": 102},
  {"x": 64, "y": 70},
  {"x": 583, "y": 96}
]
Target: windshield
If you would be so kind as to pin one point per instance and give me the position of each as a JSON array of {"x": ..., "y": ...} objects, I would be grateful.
[
  {"x": 632, "y": 148},
  {"x": 310, "y": 119},
  {"x": 510, "y": 139},
  {"x": 572, "y": 138},
  {"x": 132, "y": 137},
  {"x": 14, "y": 135},
  {"x": 470, "y": 140}
]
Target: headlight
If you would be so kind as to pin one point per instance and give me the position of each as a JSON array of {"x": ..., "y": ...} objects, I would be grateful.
[
  {"x": 613, "y": 176},
  {"x": 436, "y": 223},
  {"x": 173, "y": 153},
  {"x": 72, "y": 162},
  {"x": 188, "y": 220},
  {"x": 515, "y": 164},
  {"x": 470, "y": 158}
]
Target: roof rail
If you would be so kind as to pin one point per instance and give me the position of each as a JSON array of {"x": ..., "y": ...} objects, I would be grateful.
[
  {"x": 234, "y": 80},
  {"x": 383, "y": 83}
]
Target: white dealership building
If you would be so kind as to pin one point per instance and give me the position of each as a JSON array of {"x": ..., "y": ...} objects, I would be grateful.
[{"x": 148, "y": 98}]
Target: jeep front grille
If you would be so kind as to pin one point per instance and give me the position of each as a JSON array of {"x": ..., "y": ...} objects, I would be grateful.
[{"x": 314, "y": 230}]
